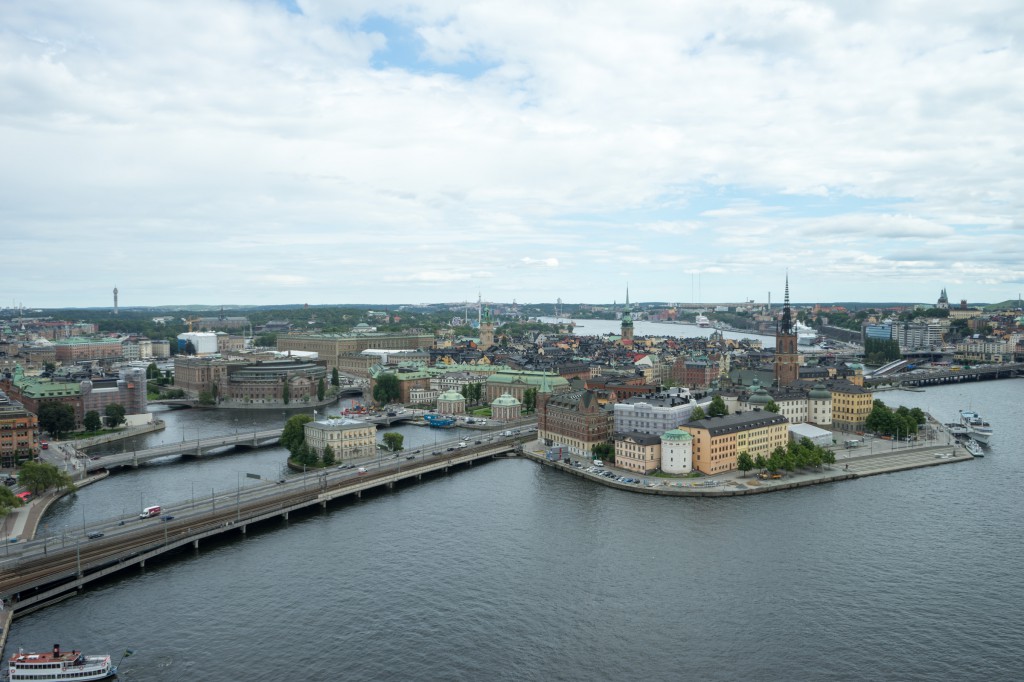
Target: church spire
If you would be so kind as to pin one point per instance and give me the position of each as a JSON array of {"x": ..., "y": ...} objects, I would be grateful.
[{"x": 786, "y": 323}]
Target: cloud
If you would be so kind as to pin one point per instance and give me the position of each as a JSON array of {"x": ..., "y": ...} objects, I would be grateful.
[{"x": 539, "y": 262}]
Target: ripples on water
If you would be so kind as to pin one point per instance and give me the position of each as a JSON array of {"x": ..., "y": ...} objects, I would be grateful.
[{"x": 510, "y": 571}]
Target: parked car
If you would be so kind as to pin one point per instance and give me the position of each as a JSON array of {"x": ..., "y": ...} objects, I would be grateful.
[
  {"x": 93, "y": 534},
  {"x": 411, "y": 457}
]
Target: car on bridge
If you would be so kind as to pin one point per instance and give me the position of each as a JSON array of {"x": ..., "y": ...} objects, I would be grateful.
[{"x": 94, "y": 534}]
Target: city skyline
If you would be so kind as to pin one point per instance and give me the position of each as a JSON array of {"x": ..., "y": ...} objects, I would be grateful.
[{"x": 352, "y": 152}]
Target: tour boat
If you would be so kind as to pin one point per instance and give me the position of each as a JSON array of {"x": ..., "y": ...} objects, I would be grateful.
[
  {"x": 972, "y": 447},
  {"x": 59, "y": 665},
  {"x": 702, "y": 320}
]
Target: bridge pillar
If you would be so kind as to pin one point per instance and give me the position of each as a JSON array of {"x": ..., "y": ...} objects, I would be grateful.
[
  {"x": 419, "y": 477},
  {"x": 391, "y": 485},
  {"x": 285, "y": 516},
  {"x": 323, "y": 504},
  {"x": 142, "y": 564},
  {"x": 359, "y": 494},
  {"x": 195, "y": 544},
  {"x": 243, "y": 528}
]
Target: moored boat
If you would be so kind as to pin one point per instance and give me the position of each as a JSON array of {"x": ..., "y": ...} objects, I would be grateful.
[
  {"x": 978, "y": 429},
  {"x": 972, "y": 447},
  {"x": 59, "y": 665},
  {"x": 702, "y": 320}
]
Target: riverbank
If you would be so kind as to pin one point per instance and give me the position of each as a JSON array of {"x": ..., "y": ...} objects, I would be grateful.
[{"x": 21, "y": 524}]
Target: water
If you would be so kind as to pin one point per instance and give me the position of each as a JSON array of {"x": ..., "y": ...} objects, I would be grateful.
[
  {"x": 511, "y": 571},
  {"x": 657, "y": 329}
]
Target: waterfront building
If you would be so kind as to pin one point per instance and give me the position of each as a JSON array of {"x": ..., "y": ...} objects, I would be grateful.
[
  {"x": 920, "y": 335},
  {"x": 423, "y": 396},
  {"x": 787, "y": 358},
  {"x": 259, "y": 383},
  {"x": 639, "y": 452},
  {"x": 573, "y": 419},
  {"x": 506, "y": 408},
  {"x": 981, "y": 350},
  {"x": 851, "y": 405},
  {"x": 676, "y": 452},
  {"x": 18, "y": 428},
  {"x": 517, "y": 382},
  {"x": 348, "y": 438},
  {"x": 343, "y": 350},
  {"x": 128, "y": 390},
  {"x": 718, "y": 441},
  {"x": 451, "y": 402},
  {"x": 800, "y": 402}
]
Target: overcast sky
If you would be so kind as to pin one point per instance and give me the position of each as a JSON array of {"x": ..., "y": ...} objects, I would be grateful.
[{"x": 321, "y": 151}]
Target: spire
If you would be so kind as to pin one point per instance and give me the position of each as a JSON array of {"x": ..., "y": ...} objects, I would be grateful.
[
  {"x": 545, "y": 387},
  {"x": 786, "y": 323}
]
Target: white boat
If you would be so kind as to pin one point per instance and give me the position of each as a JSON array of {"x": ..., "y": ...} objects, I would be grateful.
[
  {"x": 59, "y": 665},
  {"x": 702, "y": 320},
  {"x": 805, "y": 336},
  {"x": 978, "y": 429},
  {"x": 972, "y": 447}
]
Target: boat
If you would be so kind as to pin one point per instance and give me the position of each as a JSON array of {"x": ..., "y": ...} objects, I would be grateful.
[
  {"x": 972, "y": 447},
  {"x": 805, "y": 336},
  {"x": 978, "y": 429},
  {"x": 702, "y": 320},
  {"x": 59, "y": 665}
]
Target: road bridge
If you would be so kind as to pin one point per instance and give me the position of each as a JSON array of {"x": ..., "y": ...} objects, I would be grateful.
[
  {"x": 948, "y": 376},
  {"x": 42, "y": 572}
]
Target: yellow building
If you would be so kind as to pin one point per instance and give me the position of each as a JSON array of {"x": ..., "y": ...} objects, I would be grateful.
[
  {"x": 718, "y": 441},
  {"x": 639, "y": 452},
  {"x": 851, "y": 405},
  {"x": 348, "y": 438}
]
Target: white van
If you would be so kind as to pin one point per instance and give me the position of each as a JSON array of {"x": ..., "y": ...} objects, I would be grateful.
[
  {"x": 598, "y": 463},
  {"x": 150, "y": 512}
]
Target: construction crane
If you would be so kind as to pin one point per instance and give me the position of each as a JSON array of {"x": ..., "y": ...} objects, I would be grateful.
[{"x": 189, "y": 322}]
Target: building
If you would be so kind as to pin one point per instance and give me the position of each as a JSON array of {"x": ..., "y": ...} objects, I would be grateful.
[
  {"x": 787, "y": 357},
  {"x": 78, "y": 349},
  {"x": 626, "y": 330},
  {"x": 573, "y": 419},
  {"x": 203, "y": 343},
  {"x": 18, "y": 428},
  {"x": 127, "y": 390},
  {"x": 279, "y": 382},
  {"x": 851, "y": 405},
  {"x": 517, "y": 382},
  {"x": 347, "y": 438},
  {"x": 718, "y": 441},
  {"x": 506, "y": 408},
  {"x": 333, "y": 348},
  {"x": 451, "y": 402},
  {"x": 655, "y": 414},
  {"x": 676, "y": 452},
  {"x": 639, "y": 452},
  {"x": 486, "y": 330}
]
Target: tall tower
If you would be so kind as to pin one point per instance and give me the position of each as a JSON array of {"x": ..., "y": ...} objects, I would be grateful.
[
  {"x": 486, "y": 330},
  {"x": 787, "y": 359},
  {"x": 627, "y": 322},
  {"x": 115, "y": 299}
]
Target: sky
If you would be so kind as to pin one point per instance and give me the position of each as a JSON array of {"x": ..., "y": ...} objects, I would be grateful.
[{"x": 386, "y": 151}]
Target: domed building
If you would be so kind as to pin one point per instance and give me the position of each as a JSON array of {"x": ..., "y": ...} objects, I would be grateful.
[
  {"x": 506, "y": 408},
  {"x": 676, "y": 452},
  {"x": 451, "y": 402}
]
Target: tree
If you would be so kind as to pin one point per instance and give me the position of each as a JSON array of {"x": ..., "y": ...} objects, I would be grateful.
[
  {"x": 335, "y": 379},
  {"x": 328, "y": 456},
  {"x": 8, "y": 500},
  {"x": 760, "y": 462},
  {"x": 57, "y": 418},
  {"x": 91, "y": 421},
  {"x": 38, "y": 477},
  {"x": 530, "y": 400},
  {"x": 386, "y": 389},
  {"x": 321, "y": 389},
  {"x": 717, "y": 407},
  {"x": 744, "y": 462},
  {"x": 152, "y": 371},
  {"x": 266, "y": 340},
  {"x": 286, "y": 392},
  {"x": 771, "y": 406},
  {"x": 698, "y": 413},
  {"x": 393, "y": 441},
  {"x": 294, "y": 433},
  {"x": 190, "y": 348},
  {"x": 115, "y": 414},
  {"x": 206, "y": 397}
]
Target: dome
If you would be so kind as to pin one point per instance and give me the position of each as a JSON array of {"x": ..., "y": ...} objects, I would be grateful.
[
  {"x": 819, "y": 392},
  {"x": 451, "y": 395},
  {"x": 505, "y": 400},
  {"x": 759, "y": 397},
  {"x": 676, "y": 435}
]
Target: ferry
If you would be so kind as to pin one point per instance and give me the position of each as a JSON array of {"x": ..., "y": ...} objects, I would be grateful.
[
  {"x": 979, "y": 429},
  {"x": 972, "y": 447},
  {"x": 59, "y": 665},
  {"x": 702, "y": 320}
]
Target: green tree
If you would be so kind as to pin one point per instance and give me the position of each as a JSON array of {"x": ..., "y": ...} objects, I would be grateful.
[
  {"x": 91, "y": 421},
  {"x": 286, "y": 392},
  {"x": 206, "y": 397},
  {"x": 321, "y": 389},
  {"x": 771, "y": 406},
  {"x": 266, "y": 341},
  {"x": 717, "y": 407},
  {"x": 393, "y": 441},
  {"x": 39, "y": 477},
  {"x": 760, "y": 462},
  {"x": 697, "y": 414},
  {"x": 530, "y": 400},
  {"x": 115, "y": 414},
  {"x": 305, "y": 455},
  {"x": 335, "y": 379},
  {"x": 328, "y": 456},
  {"x": 294, "y": 433},
  {"x": 386, "y": 389},
  {"x": 603, "y": 450},
  {"x": 49, "y": 367},
  {"x": 8, "y": 500},
  {"x": 152, "y": 371},
  {"x": 57, "y": 418},
  {"x": 744, "y": 462}
]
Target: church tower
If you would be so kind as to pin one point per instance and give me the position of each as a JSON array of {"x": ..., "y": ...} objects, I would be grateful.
[
  {"x": 787, "y": 359},
  {"x": 627, "y": 322},
  {"x": 486, "y": 330}
]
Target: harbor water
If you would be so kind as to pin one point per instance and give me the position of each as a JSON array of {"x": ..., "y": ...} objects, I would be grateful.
[{"x": 513, "y": 571}]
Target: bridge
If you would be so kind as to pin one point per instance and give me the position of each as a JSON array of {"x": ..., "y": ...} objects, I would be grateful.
[
  {"x": 42, "y": 572},
  {"x": 948, "y": 376}
]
